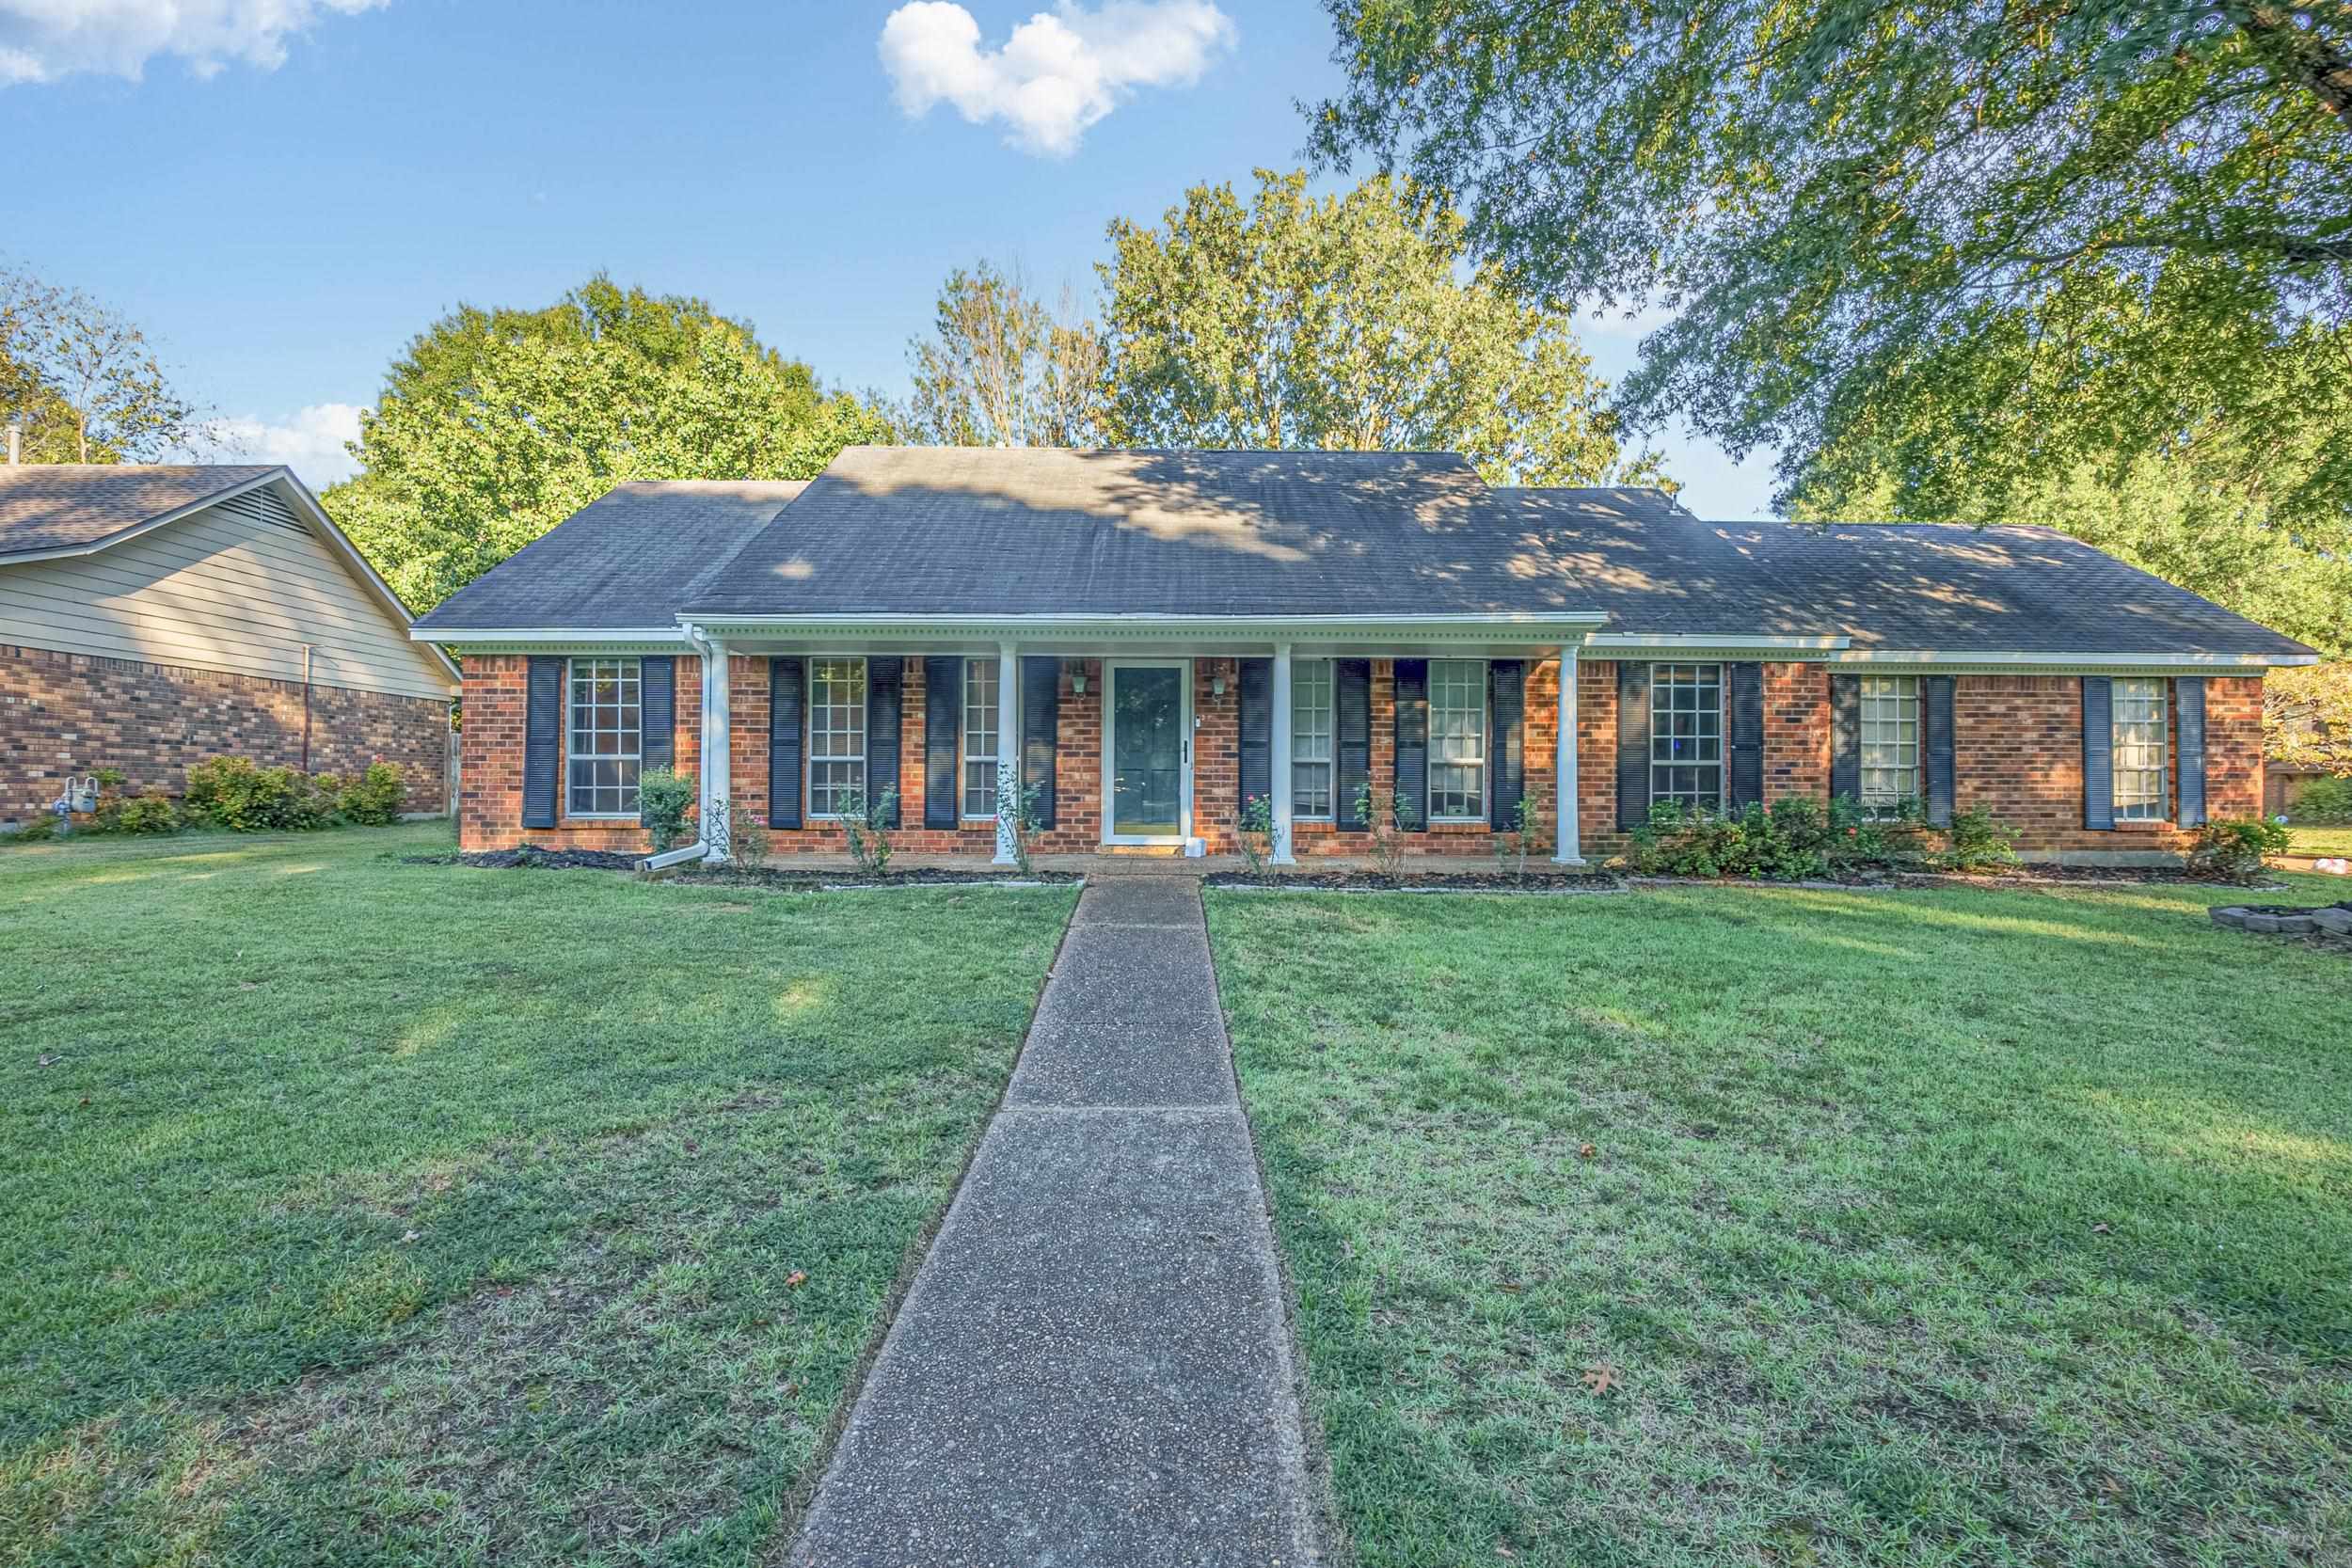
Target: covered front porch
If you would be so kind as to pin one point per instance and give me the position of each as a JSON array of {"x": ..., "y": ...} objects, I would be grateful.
[{"x": 1138, "y": 740}]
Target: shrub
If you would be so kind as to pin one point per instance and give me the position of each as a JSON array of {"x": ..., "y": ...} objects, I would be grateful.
[
  {"x": 1512, "y": 842},
  {"x": 663, "y": 796},
  {"x": 1792, "y": 840},
  {"x": 1255, "y": 832},
  {"x": 239, "y": 794},
  {"x": 374, "y": 797},
  {"x": 2323, "y": 799},
  {"x": 35, "y": 829},
  {"x": 2233, "y": 847},
  {"x": 1018, "y": 811},
  {"x": 152, "y": 812},
  {"x": 1382, "y": 813},
  {"x": 1977, "y": 841},
  {"x": 866, "y": 825},
  {"x": 750, "y": 843}
]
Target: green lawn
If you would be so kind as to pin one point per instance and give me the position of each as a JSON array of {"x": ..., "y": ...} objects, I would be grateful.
[
  {"x": 354, "y": 1211},
  {"x": 1932, "y": 1227},
  {"x": 2312, "y": 839}
]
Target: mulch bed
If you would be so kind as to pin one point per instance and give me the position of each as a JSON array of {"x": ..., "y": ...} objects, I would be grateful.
[
  {"x": 528, "y": 858},
  {"x": 1424, "y": 881}
]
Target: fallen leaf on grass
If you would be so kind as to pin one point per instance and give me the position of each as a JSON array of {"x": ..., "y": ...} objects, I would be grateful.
[
  {"x": 1600, "y": 1377},
  {"x": 1507, "y": 1285},
  {"x": 1587, "y": 1152},
  {"x": 2102, "y": 1228},
  {"x": 47, "y": 1061},
  {"x": 794, "y": 1280}
]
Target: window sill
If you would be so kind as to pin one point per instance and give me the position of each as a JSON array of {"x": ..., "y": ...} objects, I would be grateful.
[{"x": 2142, "y": 825}]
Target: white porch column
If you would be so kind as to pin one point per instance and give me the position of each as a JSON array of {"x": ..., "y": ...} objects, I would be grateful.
[
  {"x": 1280, "y": 770},
  {"x": 1008, "y": 750},
  {"x": 1567, "y": 852},
  {"x": 717, "y": 786}
]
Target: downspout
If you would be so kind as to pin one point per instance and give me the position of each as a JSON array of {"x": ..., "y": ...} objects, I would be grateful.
[{"x": 699, "y": 849}]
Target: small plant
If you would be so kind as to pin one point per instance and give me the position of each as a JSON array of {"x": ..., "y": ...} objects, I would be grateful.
[
  {"x": 372, "y": 798},
  {"x": 239, "y": 794},
  {"x": 2235, "y": 849},
  {"x": 152, "y": 812},
  {"x": 1383, "y": 812},
  {"x": 1514, "y": 841},
  {"x": 866, "y": 825},
  {"x": 1016, "y": 814},
  {"x": 664, "y": 795},
  {"x": 750, "y": 842},
  {"x": 37, "y": 828},
  {"x": 1256, "y": 833},
  {"x": 1977, "y": 841}
]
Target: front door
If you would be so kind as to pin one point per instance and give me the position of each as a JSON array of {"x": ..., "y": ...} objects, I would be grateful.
[{"x": 1148, "y": 752}]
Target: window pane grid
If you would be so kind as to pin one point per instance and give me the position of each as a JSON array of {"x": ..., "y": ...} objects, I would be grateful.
[
  {"x": 2139, "y": 741},
  {"x": 605, "y": 739},
  {"x": 1890, "y": 742},
  {"x": 979, "y": 738},
  {"x": 1310, "y": 739},
  {"x": 1686, "y": 735},
  {"x": 836, "y": 733},
  {"x": 1457, "y": 739}
]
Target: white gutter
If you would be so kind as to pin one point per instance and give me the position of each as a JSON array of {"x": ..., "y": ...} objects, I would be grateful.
[
  {"x": 699, "y": 849},
  {"x": 1087, "y": 620},
  {"x": 2092, "y": 662},
  {"x": 1605, "y": 640},
  {"x": 569, "y": 637},
  {"x": 668, "y": 858}
]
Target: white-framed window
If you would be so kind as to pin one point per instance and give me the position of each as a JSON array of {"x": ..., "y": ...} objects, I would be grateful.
[
  {"x": 1686, "y": 735},
  {"x": 2138, "y": 720},
  {"x": 979, "y": 738},
  {"x": 1457, "y": 739},
  {"x": 606, "y": 739},
  {"x": 836, "y": 733},
  {"x": 1310, "y": 739},
  {"x": 1890, "y": 742}
]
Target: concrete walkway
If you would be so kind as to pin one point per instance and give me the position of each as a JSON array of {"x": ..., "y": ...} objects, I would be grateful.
[{"x": 1092, "y": 1367}]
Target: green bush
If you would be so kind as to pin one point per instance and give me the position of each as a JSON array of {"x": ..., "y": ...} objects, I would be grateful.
[
  {"x": 35, "y": 829},
  {"x": 372, "y": 798},
  {"x": 663, "y": 796},
  {"x": 239, "y": 794},
  {"x": 1977, "y": 841},
  {"x": 2328, "y": 799},
  {"x": 1255, "y": 834},
  {"x": 152, "y": 812},
  {"x": 2233, "y": 849},
  {"x": 866, "y": 825},
  {"x": 1795, "y": 840}
]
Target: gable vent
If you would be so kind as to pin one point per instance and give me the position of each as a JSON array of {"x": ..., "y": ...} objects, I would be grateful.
[{"x": 265, "y": 506}]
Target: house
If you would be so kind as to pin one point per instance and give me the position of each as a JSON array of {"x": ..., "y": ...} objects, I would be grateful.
[
  {"x": 1146, "y": 640},
  {"x": 154, "y": 616}
]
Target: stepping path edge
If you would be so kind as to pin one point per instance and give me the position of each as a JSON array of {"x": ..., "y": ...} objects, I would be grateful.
[
  {"x": 1000, "y": 1425},
  {"x": 793, "y": 1503}
]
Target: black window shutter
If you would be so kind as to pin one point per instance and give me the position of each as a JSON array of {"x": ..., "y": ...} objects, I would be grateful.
[
  {"x": 943, "y": 721},
  {"x": 1257, "y": 730},
  {"x": 1351, "y": 724},
  {"x": 2098, "y": 752},
  {"x": 1845, "y": 736},
  {"x": 1747, "y": 734},
  {"x": 1041, "y": 729},
  {"x": 785, "y": 685},
  {"x": 543, "y": 741},
  {"x": 1935, "y": 718},
  {"x": 884, "y": 681},
  {"x": 1633, "y": 744},
  {"x": 2188, "y": 708},
  {"x": 1506, "y": 700},
  {"x": 1412, "y": 742},
  {"x": 657, "y": 714}
]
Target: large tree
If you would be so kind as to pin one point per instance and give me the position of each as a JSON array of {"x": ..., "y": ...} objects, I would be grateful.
[
  {"x": 1001, "y": 370},
  {"x": 2019, "y": 234},
  {"x": 84, "y": 381},
  {"x": 498, "y": 424},
  {"x": 1350, "y": 322}
]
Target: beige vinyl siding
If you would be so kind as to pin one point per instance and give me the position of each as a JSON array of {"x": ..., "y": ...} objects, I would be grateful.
[{"x": 239, "y": 587}]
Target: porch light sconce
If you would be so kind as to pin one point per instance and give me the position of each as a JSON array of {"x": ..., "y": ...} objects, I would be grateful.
[
  {"x": 1078, "y": 682},
  {"x": 1216, "y": 685}
]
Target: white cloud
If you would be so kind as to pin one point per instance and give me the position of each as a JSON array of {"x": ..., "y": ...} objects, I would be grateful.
[
  {"x": 42, "y": 41},
  {"x": 1059, "y": 72},
  {"x": 309, "y": 441}
]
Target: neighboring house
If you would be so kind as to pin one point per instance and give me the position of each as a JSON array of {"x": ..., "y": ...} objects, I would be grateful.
[
  {"x": 154, "y": 616},
  {"x": 1147, "y": 639}
]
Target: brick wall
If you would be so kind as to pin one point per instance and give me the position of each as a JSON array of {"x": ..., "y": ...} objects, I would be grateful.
[{"x": 66, "y": 715}]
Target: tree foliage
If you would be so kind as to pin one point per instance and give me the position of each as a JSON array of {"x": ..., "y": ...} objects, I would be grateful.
[
  {"x": 1000, "y": 370},
  {"x": 1955, "y": 246},
  {"x": 496, "y": 425},
  {"x": 85, "y": 381},
  {"x": 1349, "y": 322},
  {"x": 2307, "y": 717}
]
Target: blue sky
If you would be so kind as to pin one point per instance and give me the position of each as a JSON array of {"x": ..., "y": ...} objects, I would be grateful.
[{"x": 284, "y": 209}]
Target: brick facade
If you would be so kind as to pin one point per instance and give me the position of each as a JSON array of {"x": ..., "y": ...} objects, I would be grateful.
[
  {"x": 67, "y": 715},
  {"x": 2018, "y": 751}
]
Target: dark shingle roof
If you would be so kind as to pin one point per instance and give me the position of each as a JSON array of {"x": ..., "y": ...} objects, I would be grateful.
[
  {"x": 61, "y": 506},
  {"x": 629, "y": 559},
  {"x": 1909, "y": 587},
  {"x": 945, "y": 531}
]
